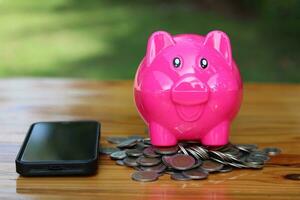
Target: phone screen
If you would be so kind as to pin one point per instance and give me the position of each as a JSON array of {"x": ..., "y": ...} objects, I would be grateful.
[{"x": 61, "y": 141}]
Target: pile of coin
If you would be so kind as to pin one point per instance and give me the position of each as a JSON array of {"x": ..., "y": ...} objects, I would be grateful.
[{"x": 186, "y": 161}]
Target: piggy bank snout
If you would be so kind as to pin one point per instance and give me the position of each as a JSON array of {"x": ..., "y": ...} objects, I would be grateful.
[{"x": 190, "y": 91}]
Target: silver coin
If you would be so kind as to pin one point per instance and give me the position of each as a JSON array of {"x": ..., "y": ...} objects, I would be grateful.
[
  {"x": 127, "y": 143},
  {"x": 238, "y": 165},
  {"x": 108, "y": 150},
  {"x": 179, "y": 177},
  {"x": 211, "y": 166},
  {"x": 118, "y": 155},
  {"x": 259, "y": 155},
  {"x": 225, "y": 169},
  {"x": 130, "y": 162},
  {"x": 203, "y": 153},
  {"x": 134, "y": 152},
  {"x": 230, "y": 150},
  {"x": 116, "y": 139},
  {"x": 167, "y": 160},
  {"x": 244, "y": 156},
  {"x": 197, "y": 164},
  {"x": 246, "y": 147},
  {"x": 271, "y": 151},
  {"x": 193, "y": 153},
  {"x": 182, "y": 162},
  {"x": 255, "y": 158},
  {"x": 182, "y": 149},
  {"x": 233, "y": 158},
  {"x": 220, "y": 161},
  {"x": 137, "y": 137},
  {"x": 219, "y": 156},
  {"x": 177, "y": 160},
  {"x": 141, "y": 145},
  {"x": 120, "y": 162},
  {"x": 147, "y": 141},
  {"x": 196, "y": 174},
  {"x": 147, "y": 162},
  {"x": 149, "y": 152},
  {"x": 218, "y": 148},
  {"x": 166, "y": 150},
  {"x": 256, "y": 163},
  {"x": 144, "y": 176},
  {"x": 157, "y": 168}
]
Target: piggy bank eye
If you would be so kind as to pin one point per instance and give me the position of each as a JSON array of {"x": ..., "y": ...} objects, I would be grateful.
[
  {"x": 203, "y": 63},
  {"x": 176, "y": 62}
]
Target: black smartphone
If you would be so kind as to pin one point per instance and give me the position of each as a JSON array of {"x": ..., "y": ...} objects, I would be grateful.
[{"x": 60, "y": 148}]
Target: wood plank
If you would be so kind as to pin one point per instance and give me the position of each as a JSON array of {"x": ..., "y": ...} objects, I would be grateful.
[{"x": 270, "y": 116}]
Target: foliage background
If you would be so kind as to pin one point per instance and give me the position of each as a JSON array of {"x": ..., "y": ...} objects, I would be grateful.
[{"x": 102, "y": 39}]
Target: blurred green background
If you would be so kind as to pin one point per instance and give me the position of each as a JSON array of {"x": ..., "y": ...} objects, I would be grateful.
[{"x": 102, "y": 39}]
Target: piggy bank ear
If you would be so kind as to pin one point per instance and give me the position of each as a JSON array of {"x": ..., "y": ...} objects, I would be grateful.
[
  {"x": 220, "y": 41},
  {"x": 157, "y": 42}
]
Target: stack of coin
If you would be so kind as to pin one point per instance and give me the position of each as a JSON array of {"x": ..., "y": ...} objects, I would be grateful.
[{"x": 186, "y": 161}]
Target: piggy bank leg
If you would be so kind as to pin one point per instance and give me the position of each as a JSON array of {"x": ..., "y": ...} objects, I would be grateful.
[
  {"x": 160, "y": 136},
  {"x": 217, "y": 136}
]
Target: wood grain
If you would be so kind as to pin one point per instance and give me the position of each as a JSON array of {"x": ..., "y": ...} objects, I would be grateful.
[{"x": 270, "y": 116}]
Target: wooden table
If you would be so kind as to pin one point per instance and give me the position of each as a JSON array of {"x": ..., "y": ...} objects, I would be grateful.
[{"x": 270, "y": 116}]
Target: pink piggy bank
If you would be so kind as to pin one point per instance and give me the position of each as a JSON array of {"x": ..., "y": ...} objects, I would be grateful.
[{"x": 188, "y": 87}]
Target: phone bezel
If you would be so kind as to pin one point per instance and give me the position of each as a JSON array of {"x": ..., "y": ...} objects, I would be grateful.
[{"x": 55, "y": 167}]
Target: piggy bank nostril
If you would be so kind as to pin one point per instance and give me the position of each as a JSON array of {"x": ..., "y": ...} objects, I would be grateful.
[{"x": 190, "y": 85}]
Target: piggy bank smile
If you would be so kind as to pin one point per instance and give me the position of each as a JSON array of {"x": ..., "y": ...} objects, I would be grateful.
[{"x": 189, "y": 96}]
